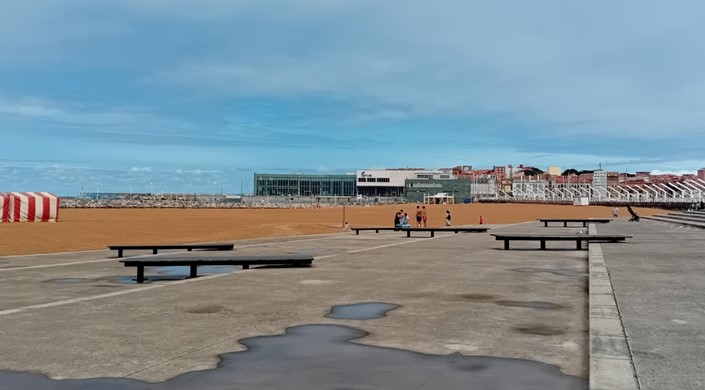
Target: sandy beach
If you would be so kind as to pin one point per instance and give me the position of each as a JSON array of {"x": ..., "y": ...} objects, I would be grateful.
[{"x": 86, "y": 229}]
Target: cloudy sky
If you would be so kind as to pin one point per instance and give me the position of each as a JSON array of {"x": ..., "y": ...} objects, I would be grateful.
[{"x": 195, "y": 96}]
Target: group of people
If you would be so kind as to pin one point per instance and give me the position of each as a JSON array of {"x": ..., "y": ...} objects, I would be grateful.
[{"x": 401, "y": 219}]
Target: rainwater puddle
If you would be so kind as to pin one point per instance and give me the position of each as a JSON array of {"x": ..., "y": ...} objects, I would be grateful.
[
  {"x": 361, "y": 311},
  {"x": 156, "y": 274},
  {"x": 555, "y": 271},
  {"x": 312, "y": 357},
  {"x": 531, "y": 304}
]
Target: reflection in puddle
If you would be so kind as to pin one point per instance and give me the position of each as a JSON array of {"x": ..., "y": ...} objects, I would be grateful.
[
  {"x": 156, "y": 274},
  {"x": 312, "y": 357},
  {"x": 361, "y": 311}
]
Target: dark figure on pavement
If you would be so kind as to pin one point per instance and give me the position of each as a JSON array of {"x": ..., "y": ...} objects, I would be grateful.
[{"x": 634, "y": 218}]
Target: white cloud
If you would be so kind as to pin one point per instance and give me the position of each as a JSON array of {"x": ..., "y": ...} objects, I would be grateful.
[{"x": 141, "y": 169}]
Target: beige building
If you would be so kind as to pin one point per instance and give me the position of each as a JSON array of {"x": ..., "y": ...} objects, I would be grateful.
[{"x": 554, "y": 171}]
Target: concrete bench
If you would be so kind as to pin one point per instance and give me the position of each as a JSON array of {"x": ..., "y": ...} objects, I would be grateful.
[
  {"x": 584, "y": 221},
  {"x": 155, "y": 248},
  {"x": 193, "y": 262},
  {"x": 432, "y": 230},
  {"x": 578, "y": 238}
]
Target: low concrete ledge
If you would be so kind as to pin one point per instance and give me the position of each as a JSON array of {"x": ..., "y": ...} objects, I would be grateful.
[{"x": 611, "y": 365}]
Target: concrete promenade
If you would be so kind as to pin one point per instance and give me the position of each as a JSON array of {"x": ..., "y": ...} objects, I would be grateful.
[
  {"x": 658, "y": 279},
  {"x": 78, "y": 315}
]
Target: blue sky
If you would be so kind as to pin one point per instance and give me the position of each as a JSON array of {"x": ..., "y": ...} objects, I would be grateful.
[{"x": 195, "y": 96}]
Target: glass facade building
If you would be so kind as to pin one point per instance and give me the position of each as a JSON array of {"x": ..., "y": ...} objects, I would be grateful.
[{"x": 304, "y": 185}]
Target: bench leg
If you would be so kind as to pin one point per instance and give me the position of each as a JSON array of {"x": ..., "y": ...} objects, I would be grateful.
[
  {"x": 189, "y": 249},
  {"x": 545, "y": 223},
  {"x": 408, "y": 233},
  {"x": 194, "y": 271},
  {"x": 543, "y": 244},
  {"x": 432, "y": 232},
  {"x": 565, "y": 223},
  {"x": 140, "y": 274},
  {"x": 580, "y": 244},
  {"x": 357, "y": 232},
  {"x": 245, "y": 266},
  {"x": 154, "y": 251},
  {"x": 584, "y": 223},
  {"x": 119, "y": 252},
  {"x": 377, "y": 231},
  {"x": 506, "y": 245}
]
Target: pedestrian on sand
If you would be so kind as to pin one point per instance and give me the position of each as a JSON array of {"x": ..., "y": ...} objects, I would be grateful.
[
  {"x": 419, "y": 216},
  {"x": 347, "y": 227},
  {"x": 425, "y": 217},
  {"x": 615, "y": 212},
  {"x": 481, "y": 220},
  {"x": 447, "y": 217}
]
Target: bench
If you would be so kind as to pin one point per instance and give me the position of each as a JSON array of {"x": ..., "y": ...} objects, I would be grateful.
[
  {"x": 433, "y": 230},
  {"x": 193, "y": 262},
  {"x": 578, "y": 238},
  {"x": 155, "y": 248},
  {"x": 565, "y": 221}
]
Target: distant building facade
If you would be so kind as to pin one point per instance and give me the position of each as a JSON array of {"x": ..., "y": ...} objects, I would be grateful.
[
  {"x": 304, "y": 185},
  {"x": 388, "y": 182},
  {"x": 701, "y": 174}
]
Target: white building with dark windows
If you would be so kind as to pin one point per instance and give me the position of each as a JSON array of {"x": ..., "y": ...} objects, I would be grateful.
[{"x": 391, "y": 182}]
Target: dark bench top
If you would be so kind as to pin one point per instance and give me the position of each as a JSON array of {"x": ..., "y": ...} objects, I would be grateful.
[
  {"x": 220, "y": 246},
  {"x": 578, "y": 238},
  {"x": 194, "y": 261},
  {"x": 218, "y": 260},
  {"x": 156, "y": 247},
  {"x": 594, "y": 220},
  {"x": 558, "y": 237},
  {"x": 432, "y": 230}
]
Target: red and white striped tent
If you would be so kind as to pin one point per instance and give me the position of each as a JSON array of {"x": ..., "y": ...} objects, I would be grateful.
[
  {"x": 33, "y": 207},
  {"x": 4, "y": 206}
]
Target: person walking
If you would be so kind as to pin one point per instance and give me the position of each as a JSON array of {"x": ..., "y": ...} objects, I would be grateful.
[
  {"x": 615, "y": 212},
  {"x": 424, "y": 216},
  {"x": 447, "y": 217}
]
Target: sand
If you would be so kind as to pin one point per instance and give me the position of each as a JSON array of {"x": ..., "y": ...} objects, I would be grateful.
[{"x": 86, "y": 229}]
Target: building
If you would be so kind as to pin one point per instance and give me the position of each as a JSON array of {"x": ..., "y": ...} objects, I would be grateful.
[
  {"x": 529, "y": 188},
  {"x": 701, "y": 173},
  {"x": 304, "y": 185},
  {"x": 419, "y": 189},
  {"x": 390, "y": 182},
  {"x": 554, "y": 171},
  {"x": 599, "y": 184}
]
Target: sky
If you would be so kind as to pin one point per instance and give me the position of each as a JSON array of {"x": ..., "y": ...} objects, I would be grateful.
[{"x": 195, "y": 96}]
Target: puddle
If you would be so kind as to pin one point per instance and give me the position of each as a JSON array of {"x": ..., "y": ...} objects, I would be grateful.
[
  {"x": 478, "y": 297},
  {"x": 540, "y": 330},
  {"x": 555, "y": 271},
  {"x": 531, "y": 304},
  {"x": 313, "y": 357},
  {"x": 156, "y": 274},
  {"x": 361, "y": 311},
  {"x": 68, "y": 280}
]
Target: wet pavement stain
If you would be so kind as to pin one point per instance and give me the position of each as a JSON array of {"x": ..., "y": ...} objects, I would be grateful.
[
  {"x": 68, "y": 280},
  {"x": 210, "y": 309},
  {"x": 540, "y": 330},
  {"x": 312, "y": 357},
  {"x": 361, "y": 311},
  {"x": 477, "y": 297},
  {"x": 554, "y": 271},
  {"x": 531, "y": 304}
]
